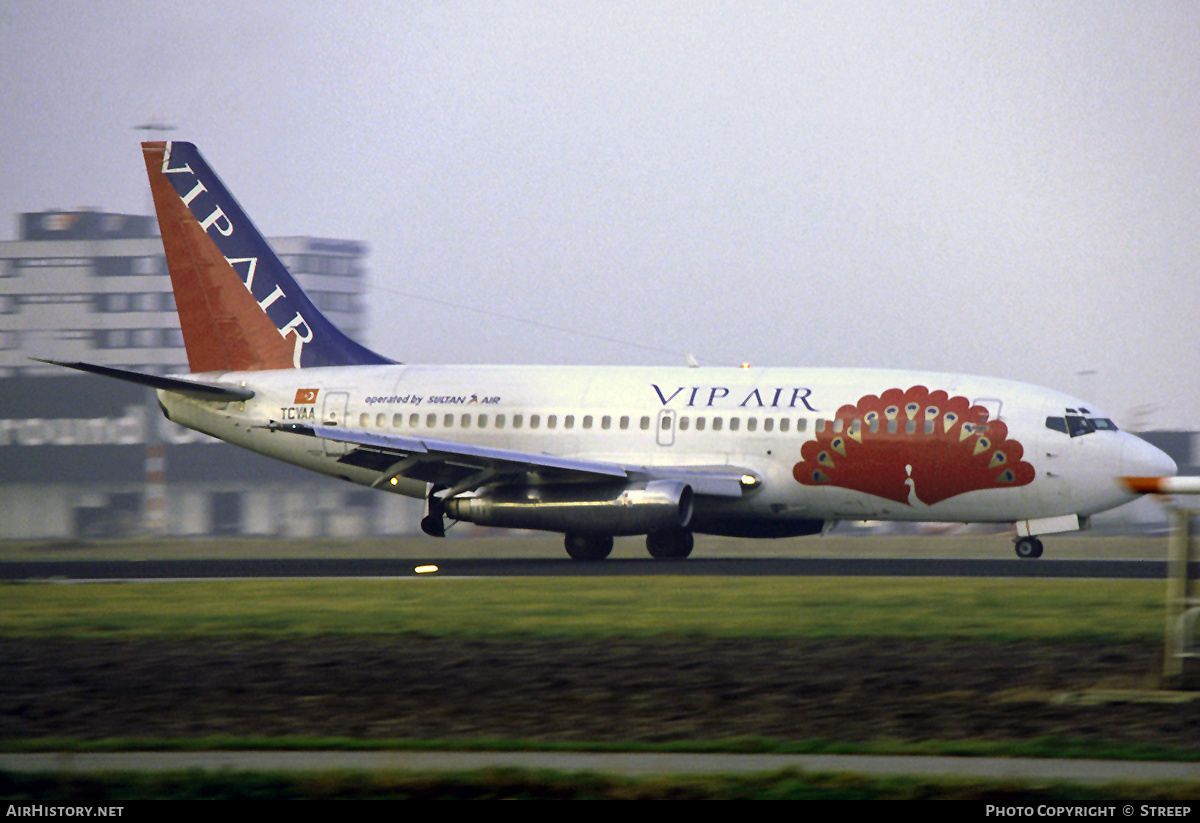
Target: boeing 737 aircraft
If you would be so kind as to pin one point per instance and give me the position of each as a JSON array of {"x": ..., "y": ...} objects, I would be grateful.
[{"x": 595, "y": 452}]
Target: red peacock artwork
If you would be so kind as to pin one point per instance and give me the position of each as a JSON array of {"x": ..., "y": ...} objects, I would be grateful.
[{"x": 913, "y": 446}]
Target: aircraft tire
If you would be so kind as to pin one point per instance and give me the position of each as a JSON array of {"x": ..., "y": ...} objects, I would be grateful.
[
  {"x": 1029, "y": 548},
  {"x": 669, "y": 545},
  {"x": 588, "y": 547}
]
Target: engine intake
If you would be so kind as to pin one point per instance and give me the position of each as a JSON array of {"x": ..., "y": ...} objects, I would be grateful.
[{"x": 583, "y": 509}]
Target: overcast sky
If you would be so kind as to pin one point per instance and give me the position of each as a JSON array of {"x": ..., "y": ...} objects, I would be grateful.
[{"x": 1001, "y": 188}]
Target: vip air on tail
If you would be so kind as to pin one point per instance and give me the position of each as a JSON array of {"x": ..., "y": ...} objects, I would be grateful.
[{"x": 598, "y": 452}]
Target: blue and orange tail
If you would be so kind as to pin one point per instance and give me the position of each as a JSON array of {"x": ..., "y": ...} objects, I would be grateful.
[{"x": 239, "y": 307}]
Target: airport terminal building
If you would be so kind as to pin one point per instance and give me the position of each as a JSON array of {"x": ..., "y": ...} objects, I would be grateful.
[{"x": 81, "y": 456}]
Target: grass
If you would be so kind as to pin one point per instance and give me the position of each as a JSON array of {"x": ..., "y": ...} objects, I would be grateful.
[
  {"x": 826, "y": 607},
  {"x": 644, "y": 608}
]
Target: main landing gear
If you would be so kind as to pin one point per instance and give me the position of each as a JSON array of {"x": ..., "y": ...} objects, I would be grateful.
[
  {"x": 588, "y": 546},
  {"x": 673, "y": 544},
  {"x": 1028, "y": 548},
  {"x": 434, "y": 521}
]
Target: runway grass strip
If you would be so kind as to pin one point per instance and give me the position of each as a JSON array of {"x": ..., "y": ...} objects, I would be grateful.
[
  {"x": 1038, "y": 747},
  {"x": 793, "y": 607}
]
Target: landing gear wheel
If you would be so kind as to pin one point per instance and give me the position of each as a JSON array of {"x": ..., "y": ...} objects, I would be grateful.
[
  {"x": 669, "y": 545},
  {"x": 434, "y": 521},
  {"x": 433, "y": 525},
  {"x": 588, "y": 546},
  {"x": 1029, "y": 548}
]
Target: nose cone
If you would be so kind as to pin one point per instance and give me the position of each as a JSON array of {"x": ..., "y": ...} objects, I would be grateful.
[{"x": 1140, "y": 459}]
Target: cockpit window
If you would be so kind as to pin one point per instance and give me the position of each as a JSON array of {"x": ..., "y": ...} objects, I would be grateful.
[
  {"x": 1079, "y": 426},
  {"x": 1076, "y": 425}
]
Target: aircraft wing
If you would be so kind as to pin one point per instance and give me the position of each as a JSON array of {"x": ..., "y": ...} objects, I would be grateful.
[{"x": 464, "y": 467}]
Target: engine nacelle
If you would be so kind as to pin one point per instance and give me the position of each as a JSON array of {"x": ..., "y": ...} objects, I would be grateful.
[{"x": 582, "y": 509}]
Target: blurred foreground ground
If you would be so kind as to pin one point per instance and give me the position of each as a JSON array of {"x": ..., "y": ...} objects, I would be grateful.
[
  {"x": 583, "y": 690},
  {"x": 598, "y": 689}
]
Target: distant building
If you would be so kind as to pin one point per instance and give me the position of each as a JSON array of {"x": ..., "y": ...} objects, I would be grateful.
[
  {"x": 81, "y": 456},
  {"x": 87, "y": 285}
]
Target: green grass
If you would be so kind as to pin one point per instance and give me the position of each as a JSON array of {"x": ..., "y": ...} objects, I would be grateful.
[
  {"x": 826, "y": 607},
  {"x": 1039, "y": 747}
]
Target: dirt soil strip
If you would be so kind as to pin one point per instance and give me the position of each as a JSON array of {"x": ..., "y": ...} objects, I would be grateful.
[{"x": 595, "y": 690}]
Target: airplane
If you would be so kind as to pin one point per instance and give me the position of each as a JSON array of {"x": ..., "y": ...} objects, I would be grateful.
[{"x": 599, "y": 452}]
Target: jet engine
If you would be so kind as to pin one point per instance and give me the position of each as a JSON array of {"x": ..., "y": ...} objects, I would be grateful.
[{"x": 580, "y": 509}]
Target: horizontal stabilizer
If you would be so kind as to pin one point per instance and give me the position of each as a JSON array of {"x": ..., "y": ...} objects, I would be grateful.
[{"x": 189, "y": 388}]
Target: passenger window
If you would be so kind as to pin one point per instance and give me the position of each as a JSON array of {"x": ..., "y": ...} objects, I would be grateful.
[
  {"x": 466, "y": 421},
  {"x": 431, "y": 421},
  {"x": 551, "y": 421},
  {"x": 624, "y": 422},
  {"x": 645, "y": 423},
  {"x": 605, "y": 422},
  {"x": 569, "y": 421},
  {"x": 397, "y": 421},
  {"x": 481, "y": 422},
  {"x": 448, "y": 422},
  {"x": 414, "y": 420},
  {"x": 534, "y": 420},
  {"x": 751, "y": 424},
  {"x": 683, "y": 424},
  {"x": 784, "y": 423},
  {"x": 699, "y": 424},
  {"x": 364, "y": 420},
  {"x": 517, "y": 421},
  {"x": 734, "y": 423},
  {"x": 820, "y": 425},
  {"x": 716, "y": 424},
  {"x": 802, "y": 425},
  {"x": 587, "y": 421},
  {"x": 500, "y": 421},
  {"x": 769, "y": 424}
]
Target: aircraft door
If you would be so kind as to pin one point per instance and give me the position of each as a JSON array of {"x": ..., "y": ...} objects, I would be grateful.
[
  {"x": 666, "y": 427},
  {"x": 992, "y": 404},
  {"x": 333, "y": 413}
]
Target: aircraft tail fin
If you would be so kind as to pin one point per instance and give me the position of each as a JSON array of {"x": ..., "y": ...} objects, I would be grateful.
[{"x": 239, "y": 307}]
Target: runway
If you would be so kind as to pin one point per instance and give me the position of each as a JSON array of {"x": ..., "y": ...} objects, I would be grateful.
[{"x": 178, "y": 569}]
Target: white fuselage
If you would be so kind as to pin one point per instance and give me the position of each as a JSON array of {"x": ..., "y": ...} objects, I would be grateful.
[{"x": 758, "y": 419}]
